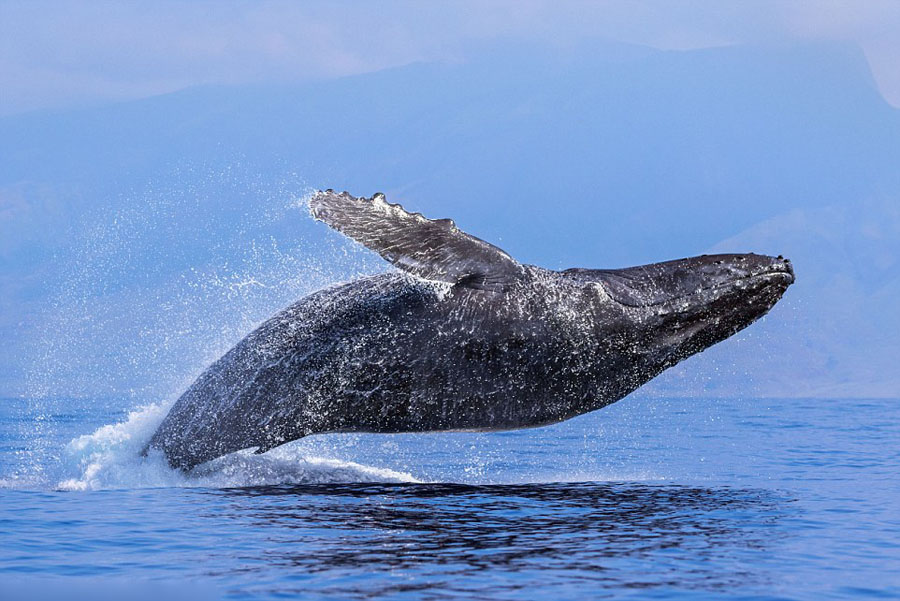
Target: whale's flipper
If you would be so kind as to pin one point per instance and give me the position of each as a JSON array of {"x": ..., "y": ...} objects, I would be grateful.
[{"x": 431, "y": 249}]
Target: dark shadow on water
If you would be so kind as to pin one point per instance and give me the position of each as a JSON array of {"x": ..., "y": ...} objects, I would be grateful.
[{"x": 494, "y": 540}]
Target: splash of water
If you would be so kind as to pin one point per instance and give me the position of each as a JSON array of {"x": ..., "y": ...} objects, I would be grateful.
[
  {"x": 153, "y": 286},
  {"x": 111, "y": 458}
]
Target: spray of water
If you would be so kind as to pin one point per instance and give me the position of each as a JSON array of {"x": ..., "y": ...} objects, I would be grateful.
[
  {"x": 111, "y": 458},
  {"x": 155, "y": 285}
]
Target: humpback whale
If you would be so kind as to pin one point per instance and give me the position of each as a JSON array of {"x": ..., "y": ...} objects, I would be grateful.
[{"x": 461, "y": 337}]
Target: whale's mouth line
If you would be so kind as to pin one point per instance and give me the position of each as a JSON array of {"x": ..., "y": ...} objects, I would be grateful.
[{"x": 774, "y": 275}]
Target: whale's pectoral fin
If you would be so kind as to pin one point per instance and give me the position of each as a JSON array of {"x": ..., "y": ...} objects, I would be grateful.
[{"x": 434, "y": 249}]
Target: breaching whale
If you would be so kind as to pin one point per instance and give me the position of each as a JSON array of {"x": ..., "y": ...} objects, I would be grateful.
[{"x": 462, "y": 337}]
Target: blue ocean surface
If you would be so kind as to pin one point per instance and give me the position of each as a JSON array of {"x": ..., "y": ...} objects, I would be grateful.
[{"x": 649, "y": 498}]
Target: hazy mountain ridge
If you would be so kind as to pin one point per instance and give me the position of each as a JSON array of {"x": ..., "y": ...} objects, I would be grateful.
[{"x": 602, "y": 157}]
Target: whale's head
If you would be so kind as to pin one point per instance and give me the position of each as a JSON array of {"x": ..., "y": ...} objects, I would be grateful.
[{"x": 674, "y": 309}]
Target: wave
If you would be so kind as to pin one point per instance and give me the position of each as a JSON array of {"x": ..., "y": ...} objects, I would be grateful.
[{"x": 111, "y": 458}]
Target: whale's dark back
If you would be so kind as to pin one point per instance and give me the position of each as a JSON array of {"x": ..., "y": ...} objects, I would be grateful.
[{"x": 381, "y": 354}]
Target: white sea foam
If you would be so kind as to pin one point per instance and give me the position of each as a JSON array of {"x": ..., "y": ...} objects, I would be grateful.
[{"x": 111, "y": 457}]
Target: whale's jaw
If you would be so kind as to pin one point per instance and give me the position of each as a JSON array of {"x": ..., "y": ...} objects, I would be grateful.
[{"x": 679, "y": 308}]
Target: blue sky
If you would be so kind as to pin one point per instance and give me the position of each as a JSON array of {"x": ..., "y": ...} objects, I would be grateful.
[{"x": 58, "y": 54}]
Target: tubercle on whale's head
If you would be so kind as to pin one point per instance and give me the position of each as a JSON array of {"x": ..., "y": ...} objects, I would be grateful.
[{"x": 678, "y": 308}]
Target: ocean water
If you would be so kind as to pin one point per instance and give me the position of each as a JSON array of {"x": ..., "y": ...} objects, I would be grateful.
[{"x": 648, "y": 498}]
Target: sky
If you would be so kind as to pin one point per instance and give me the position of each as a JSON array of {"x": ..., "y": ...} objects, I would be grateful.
[
  {"x": 175, "y": 208},
  {"x": 63, "y": 54}
]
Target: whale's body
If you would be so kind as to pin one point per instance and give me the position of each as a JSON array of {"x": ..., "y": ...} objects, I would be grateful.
[{"x": 463, "y": 338}]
